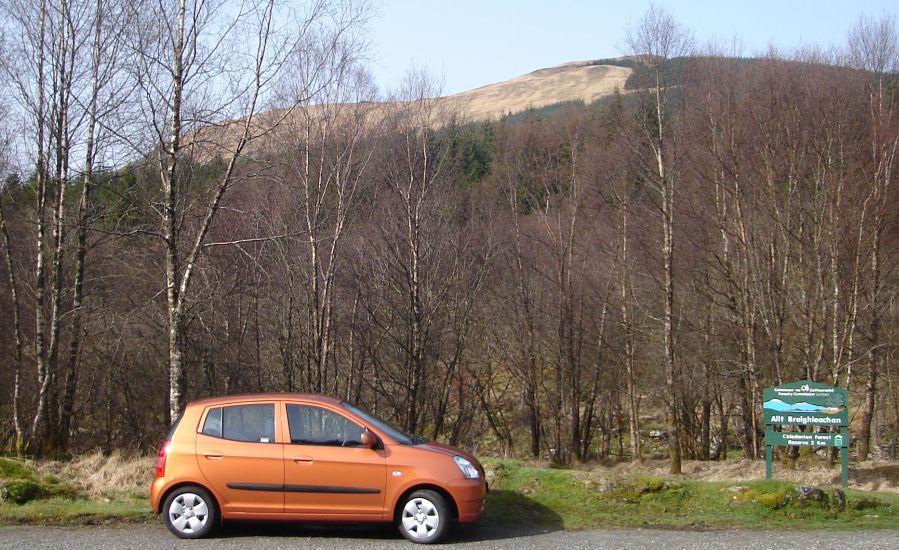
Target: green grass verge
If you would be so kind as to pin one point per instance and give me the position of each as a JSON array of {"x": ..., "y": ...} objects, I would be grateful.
[
  {"x": 523, "y": 496},
  {"x": 569, "y": 499},
  {"x": 62, "y": 511}
]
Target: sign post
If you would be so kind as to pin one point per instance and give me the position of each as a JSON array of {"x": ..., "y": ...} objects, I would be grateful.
[{"x": 806, "y": 403}]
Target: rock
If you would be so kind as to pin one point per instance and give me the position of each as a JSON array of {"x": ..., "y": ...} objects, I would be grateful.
[
  {"x": 605, "y": 485},
  {"x": 839, "y": 499},
  {"x": 812, "y": 494},
  {"x": 4, "y": 494},
  {"x": 625, "y": 488},
  {"x": 490, "y": 477},
  {"x": 737, "y": 489},
  {"x": 532, "y": 486}
]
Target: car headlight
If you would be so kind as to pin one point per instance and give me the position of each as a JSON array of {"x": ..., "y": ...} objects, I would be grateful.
[{"x": 468, "y": 469}]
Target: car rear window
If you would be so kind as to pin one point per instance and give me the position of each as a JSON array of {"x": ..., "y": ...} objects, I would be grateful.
[
  {"x": 250, "y": 423},
  {"x": 213, "y": 424}
]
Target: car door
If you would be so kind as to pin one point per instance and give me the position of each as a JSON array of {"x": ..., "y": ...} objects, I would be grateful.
[
  {"x": 327, "y": 471},
  {"x": 240, "y": 458}
]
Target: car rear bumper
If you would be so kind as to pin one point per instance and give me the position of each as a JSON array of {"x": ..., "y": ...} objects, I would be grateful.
[{"x": 156, "y": 491}]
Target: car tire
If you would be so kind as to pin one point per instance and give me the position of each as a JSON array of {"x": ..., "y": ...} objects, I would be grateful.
[
  {"x": 424, "y": 517},
  {"x": 190, "y": 512}
]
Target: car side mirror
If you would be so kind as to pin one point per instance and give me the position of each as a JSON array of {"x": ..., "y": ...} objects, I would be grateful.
[{"x": 369, "y": 439}]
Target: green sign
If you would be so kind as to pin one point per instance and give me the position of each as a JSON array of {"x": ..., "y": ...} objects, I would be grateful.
[{"x": 811, "y": 405}]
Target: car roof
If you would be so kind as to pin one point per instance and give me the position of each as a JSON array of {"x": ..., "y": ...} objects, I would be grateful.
[{"x": 266, "y": 396}]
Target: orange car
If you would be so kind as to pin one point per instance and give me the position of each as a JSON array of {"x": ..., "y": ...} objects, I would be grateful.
[{"x": 308, "y": 457}]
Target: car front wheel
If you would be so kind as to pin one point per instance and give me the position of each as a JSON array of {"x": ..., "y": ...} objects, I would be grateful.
[
  {"x": 190, "y": 512},
  {"x": 424, "y": 517}
]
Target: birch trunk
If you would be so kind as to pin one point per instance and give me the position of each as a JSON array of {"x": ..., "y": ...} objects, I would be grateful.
[
  {"x": 671, "y": 375},
  {"x": 633, "y": 398},
  {"x": 17, "y": 337},
  {"x": 170, "y": 224},
  {"x": 38, "y": 426}
]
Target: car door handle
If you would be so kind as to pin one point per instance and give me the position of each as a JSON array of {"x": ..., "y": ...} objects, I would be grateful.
[
  {"x": 213, "y": 455},
  {"x": 302, "y": 458}
]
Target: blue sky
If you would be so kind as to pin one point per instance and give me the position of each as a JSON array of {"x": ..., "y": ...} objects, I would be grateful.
[{"x": 470, "y": 43}]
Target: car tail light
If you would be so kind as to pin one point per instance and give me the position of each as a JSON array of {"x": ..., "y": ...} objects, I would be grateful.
[{"x": 160, "y": 458}]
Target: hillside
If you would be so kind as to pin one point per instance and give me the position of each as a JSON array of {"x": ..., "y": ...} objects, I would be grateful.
[
  {"x": 575, "y": 81},
  {"x": 585, "y": 81}
]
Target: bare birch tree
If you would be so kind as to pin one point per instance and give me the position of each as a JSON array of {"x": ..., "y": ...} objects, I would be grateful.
[
  {"x": 874, "y": 49},
  {"x": 108, "y": 23},
  {"x": 525, "y": 359},
  {"x": 416, "y": 259},
  {"x": 50, "y": 40},
  {"x": 655, "y": 40},
  {"x": 327, "y": 160},
  {"x": 18, "y": 425},
  {"x": 414, "y": 171},
  {"x": 204, "y": 70}
]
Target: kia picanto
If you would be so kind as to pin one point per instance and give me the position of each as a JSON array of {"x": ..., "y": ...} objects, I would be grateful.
[{"x": 308, "y": 458}]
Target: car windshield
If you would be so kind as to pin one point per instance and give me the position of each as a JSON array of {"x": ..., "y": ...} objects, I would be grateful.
[{"x": 400, "y": 436}]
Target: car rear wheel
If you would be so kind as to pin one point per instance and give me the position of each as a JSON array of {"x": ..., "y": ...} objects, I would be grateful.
[
  {"x": 190, "y": 512},
  {"x": 424, "y": 517}
]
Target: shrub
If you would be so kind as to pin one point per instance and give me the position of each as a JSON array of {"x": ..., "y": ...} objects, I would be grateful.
[
  {"x": 21, "y": 484},
  {"x": 770, "y": 495},
  {"x": 21, "y": 491}
]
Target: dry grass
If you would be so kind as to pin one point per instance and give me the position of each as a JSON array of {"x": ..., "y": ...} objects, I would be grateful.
[
  {"x": 103, "y": 477},
  {"x": 874, "y": 475},
  {"x": 99, "y": 476}
]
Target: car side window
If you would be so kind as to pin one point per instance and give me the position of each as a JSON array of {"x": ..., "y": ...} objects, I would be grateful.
[
  {"x": 250, "y": 423},
  {"x": 317, "y": 426}
]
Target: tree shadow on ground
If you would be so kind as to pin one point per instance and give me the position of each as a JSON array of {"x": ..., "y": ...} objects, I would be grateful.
[{"x": 508, "y": 515}]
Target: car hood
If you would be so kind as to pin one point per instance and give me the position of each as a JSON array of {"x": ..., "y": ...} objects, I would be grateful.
[{"x": 451, "y": 451}]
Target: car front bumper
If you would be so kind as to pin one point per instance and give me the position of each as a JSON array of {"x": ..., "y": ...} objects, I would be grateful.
[{"x": 469, "y": 496}]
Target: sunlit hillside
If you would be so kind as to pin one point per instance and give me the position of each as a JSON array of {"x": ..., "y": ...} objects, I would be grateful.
[{"x": 575, "y": 81}]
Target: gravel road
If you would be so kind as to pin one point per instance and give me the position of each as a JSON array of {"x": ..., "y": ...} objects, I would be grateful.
[{"x": 287, "y": 536}]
